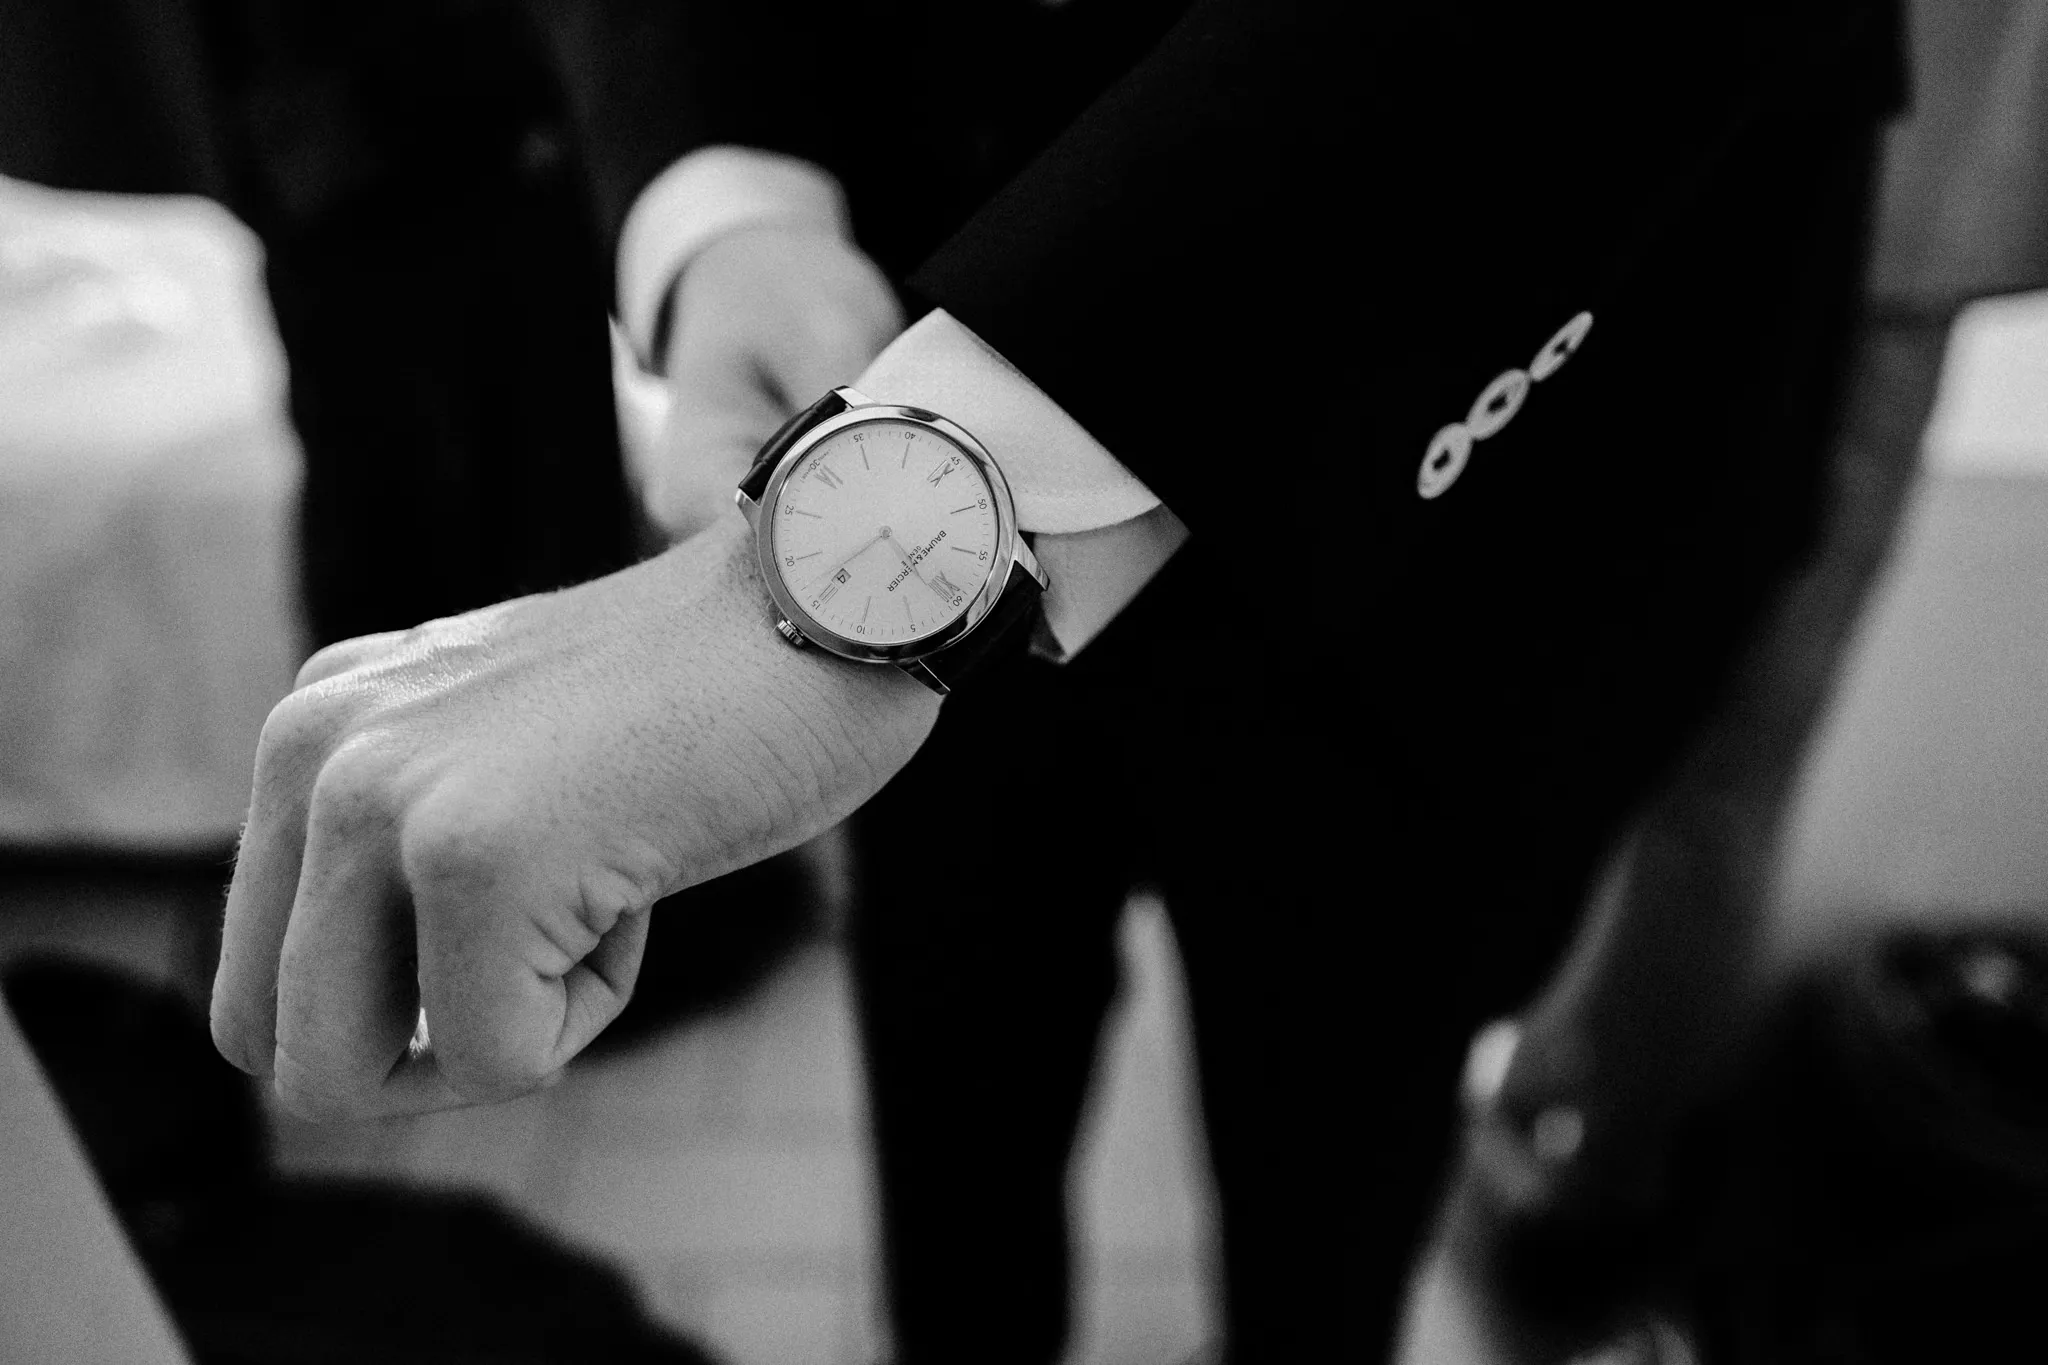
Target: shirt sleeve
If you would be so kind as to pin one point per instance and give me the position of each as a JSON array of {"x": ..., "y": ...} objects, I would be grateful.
[
  {"x": 703, "y": 195},
  {"x": 1100, "y": 533}
]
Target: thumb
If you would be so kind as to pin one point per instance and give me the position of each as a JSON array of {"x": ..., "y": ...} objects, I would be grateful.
[
  {"x": 767, "y": 320},
  {"x": 722, "y": 406},
  {"x": 835, "y": 336},
  {"x": 520, "y": 962},
  {"x": 832, "y": 312},
  {"x": 706, "y": 448}
]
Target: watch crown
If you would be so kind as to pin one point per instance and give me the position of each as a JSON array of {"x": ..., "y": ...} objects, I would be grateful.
[{"x": 791, "y": 633}]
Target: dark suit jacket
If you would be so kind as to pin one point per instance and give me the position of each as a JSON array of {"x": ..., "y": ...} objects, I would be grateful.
[{"x": 1265, "y": 250}]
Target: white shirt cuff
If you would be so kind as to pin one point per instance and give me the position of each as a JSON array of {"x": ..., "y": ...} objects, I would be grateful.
[
  {"x": 1101, "y": 533},
  {"x": 708, "y": 193},
  {"x": 1096, "y": 574}
]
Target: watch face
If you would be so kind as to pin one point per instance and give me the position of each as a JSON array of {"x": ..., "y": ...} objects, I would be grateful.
[{"x": 884, "y": 532}]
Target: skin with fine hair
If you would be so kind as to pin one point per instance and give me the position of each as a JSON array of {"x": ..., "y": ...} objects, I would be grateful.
[{"x": 473, "y": 818}]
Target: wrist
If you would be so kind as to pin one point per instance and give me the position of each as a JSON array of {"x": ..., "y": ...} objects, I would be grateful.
[{"x": 828, "y": 731}]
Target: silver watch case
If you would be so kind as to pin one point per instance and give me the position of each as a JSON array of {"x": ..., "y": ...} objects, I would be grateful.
[{"x": 1012, "y": 554}]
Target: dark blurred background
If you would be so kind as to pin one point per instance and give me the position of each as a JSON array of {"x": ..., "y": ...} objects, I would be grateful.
[{"x": 432, "y": 254}]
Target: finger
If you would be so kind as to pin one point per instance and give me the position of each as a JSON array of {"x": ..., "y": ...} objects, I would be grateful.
[
  {"x": 820, "y": 310},
  {"x": 760, "y": 333},
  {"x": 346, "y": 654},
  {"x": 721, "y": 408},
  {"x": 347, "y": 988},
  {"x": 705, "y": 455},
  {"x": 265, "y": 882},
  {"x": 716, "y": 362},
  {"x": 519, "y": 965},
  {"x": 828, "y": 343},
  {"x": 599, "y": 987}
]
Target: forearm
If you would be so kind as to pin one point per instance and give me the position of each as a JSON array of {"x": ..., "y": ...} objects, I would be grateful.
[{"x": 529, "y": 779}]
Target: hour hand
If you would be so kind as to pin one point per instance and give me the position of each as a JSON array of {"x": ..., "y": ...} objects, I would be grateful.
[{"x": 866, "y": 545}]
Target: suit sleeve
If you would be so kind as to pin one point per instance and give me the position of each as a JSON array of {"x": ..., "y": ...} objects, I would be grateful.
[
  {"x": 1178, "y": 232},
  {"x": 1245, "y": 226},
  {"x": 648, "y": 81}
]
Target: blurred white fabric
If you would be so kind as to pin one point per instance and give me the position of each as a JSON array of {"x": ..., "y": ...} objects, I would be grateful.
[
  {"x": 1992, "y": 417},
  {"x": 148, "y": 487}
]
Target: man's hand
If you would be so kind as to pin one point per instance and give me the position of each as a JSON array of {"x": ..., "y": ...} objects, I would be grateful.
[
  {"x": 473, "y": 817},
  {"x": 767, "y": 319}
]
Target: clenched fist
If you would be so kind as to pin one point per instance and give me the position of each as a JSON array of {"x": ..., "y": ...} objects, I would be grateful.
[{"x": 473, "y": 817}]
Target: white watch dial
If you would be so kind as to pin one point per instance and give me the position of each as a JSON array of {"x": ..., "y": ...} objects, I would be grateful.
[{"x": 884, "y": 532}]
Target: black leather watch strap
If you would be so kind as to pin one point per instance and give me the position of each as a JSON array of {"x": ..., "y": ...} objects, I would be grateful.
[
  {"x": 755, "y": 484},
  {"x": 1004, "y": 632}
]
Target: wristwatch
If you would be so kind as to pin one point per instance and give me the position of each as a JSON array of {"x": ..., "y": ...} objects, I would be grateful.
[{"x": 887, "y": 535}]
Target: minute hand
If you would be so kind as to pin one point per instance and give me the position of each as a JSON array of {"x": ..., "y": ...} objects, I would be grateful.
[
  {"x": 911, "y": 564},
  {"x": 867, "y": 545}
]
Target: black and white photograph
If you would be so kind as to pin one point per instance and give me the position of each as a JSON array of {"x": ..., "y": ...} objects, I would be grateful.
[{"x": 1023, "y": 682}]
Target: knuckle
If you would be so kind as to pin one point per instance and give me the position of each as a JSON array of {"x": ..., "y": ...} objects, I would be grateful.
[
  {"x": 288, "y": 729},
  {"x": 314, "y": 669},
  {"x": 448, "y": 845},
  {"x": 334, "y": 658},
  {"x": 300, "y": 726},
  {"x": 351, "y": 790}
]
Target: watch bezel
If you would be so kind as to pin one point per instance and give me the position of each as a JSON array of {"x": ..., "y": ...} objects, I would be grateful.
[{"x": 1001, "y": 566}]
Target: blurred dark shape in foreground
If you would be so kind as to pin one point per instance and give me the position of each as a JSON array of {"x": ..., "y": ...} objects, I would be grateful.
[
  {"x": 1871, "y": 1188},
  {"x": 1880, "y": 1185},
  {"x": 711, "y": 946},
  {"x": 258, "y": 1268}
]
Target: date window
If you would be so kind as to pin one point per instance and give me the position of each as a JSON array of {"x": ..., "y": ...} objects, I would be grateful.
[{"x": 832, "y": 587}]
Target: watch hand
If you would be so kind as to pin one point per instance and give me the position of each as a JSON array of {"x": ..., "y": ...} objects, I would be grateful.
[
  {"x": 897, "y": 546},
  {"x": 871, "y": 543}
]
